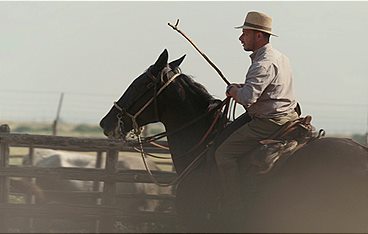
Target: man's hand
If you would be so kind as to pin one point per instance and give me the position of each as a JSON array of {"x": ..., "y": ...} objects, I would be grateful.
[{"x": 232, "y": 90}]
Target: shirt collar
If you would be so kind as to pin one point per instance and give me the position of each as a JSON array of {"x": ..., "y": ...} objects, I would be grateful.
[{"x": 256, "y": 54}]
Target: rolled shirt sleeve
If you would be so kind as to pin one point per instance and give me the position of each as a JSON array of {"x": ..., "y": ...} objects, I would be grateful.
[{"x": 259, "y": 76}]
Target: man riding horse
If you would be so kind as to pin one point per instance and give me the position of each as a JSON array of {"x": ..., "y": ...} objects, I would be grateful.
[
  {"x": 322, "y": 187},
  {"x": 267, "y": 95}
]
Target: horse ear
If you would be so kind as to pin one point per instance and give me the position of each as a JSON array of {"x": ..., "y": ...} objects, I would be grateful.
[
  {"x": 161, "y": 61},
  {"x": 176, "y": 63}
]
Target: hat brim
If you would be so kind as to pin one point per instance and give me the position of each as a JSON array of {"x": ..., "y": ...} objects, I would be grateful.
[{"x": 257, "y": 29}]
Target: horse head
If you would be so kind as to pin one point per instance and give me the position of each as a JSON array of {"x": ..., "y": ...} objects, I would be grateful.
[
  {"x": 138, "y": 106},
  {"x": 162, "y": 93}
]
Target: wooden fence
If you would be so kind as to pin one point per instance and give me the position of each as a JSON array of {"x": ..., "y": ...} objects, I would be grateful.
[{"x": 105, "y": 213}]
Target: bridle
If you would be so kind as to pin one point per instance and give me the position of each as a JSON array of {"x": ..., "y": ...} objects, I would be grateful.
[
  {"x": 123, "y": 112},
  {"x": 137, "y": 131}
]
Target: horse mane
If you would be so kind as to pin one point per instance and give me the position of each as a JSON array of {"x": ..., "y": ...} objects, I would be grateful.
[{"x": 194, "y": 87}]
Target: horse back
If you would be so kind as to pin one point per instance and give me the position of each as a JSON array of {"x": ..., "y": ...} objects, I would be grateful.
[{"x": 325, "y": 180}]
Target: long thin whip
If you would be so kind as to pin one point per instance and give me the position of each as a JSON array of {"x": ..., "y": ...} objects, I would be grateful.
[{"x": 175, "y": 27}]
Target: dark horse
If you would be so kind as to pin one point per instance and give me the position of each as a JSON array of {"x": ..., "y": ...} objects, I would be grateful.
[{"x": 322, "y": 187}]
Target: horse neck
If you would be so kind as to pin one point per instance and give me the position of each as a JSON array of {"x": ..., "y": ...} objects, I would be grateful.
[{"x": 187, "y": 138}]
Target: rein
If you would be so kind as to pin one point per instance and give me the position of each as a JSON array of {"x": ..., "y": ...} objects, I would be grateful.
[
  {"x": 165, "y": 134},
  {"x": 194, "y": 163}
]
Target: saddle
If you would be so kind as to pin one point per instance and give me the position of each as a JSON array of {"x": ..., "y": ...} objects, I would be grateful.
[{"x": 283, "y": 143}]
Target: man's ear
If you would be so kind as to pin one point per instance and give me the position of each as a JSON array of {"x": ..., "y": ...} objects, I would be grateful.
[{"x": 259, "y": 35}]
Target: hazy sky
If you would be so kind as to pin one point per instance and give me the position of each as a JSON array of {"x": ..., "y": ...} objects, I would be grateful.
[{"x": 96, "y": 49}]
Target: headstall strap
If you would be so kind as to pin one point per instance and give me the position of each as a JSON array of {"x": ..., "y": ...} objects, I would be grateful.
[
  {"x": 119, "y": 116},
  {"x": 137, "y": 132},
  {"x": 152, "y": 77},
  {"x": 123, "y": 111},
  {"x": 118, "y": 107}
]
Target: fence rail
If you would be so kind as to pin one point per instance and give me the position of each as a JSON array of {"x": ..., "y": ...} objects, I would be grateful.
[
  {"x": 70, "y": 143},
  {"x": 105, "y": 212},
  {"x": 90, "y": 174},
  {"x": 78, "y": 211}
]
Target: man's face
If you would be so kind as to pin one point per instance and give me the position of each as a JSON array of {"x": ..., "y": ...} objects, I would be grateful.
[{"x": 248, "y": 40}]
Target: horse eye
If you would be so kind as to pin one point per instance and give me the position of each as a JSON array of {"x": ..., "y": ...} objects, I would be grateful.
[{"x": 150, "y": 85}]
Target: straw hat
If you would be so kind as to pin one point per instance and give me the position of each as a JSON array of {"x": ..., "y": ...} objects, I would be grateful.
[{"x": 258, "y": 21}]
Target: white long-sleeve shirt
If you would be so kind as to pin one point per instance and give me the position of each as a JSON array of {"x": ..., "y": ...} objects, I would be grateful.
[{"x": 268, "y": 89}]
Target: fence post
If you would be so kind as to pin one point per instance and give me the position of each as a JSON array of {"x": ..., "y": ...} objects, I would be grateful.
[
  {"x": 4, "y": 180},
  {"x": 29, "y": 195},
  {"x": 55, "y": 123},
  {"x": 96, "y": 184},
  {"x": 109, "y": 191},
  {"x": 29, "y": 198}
]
